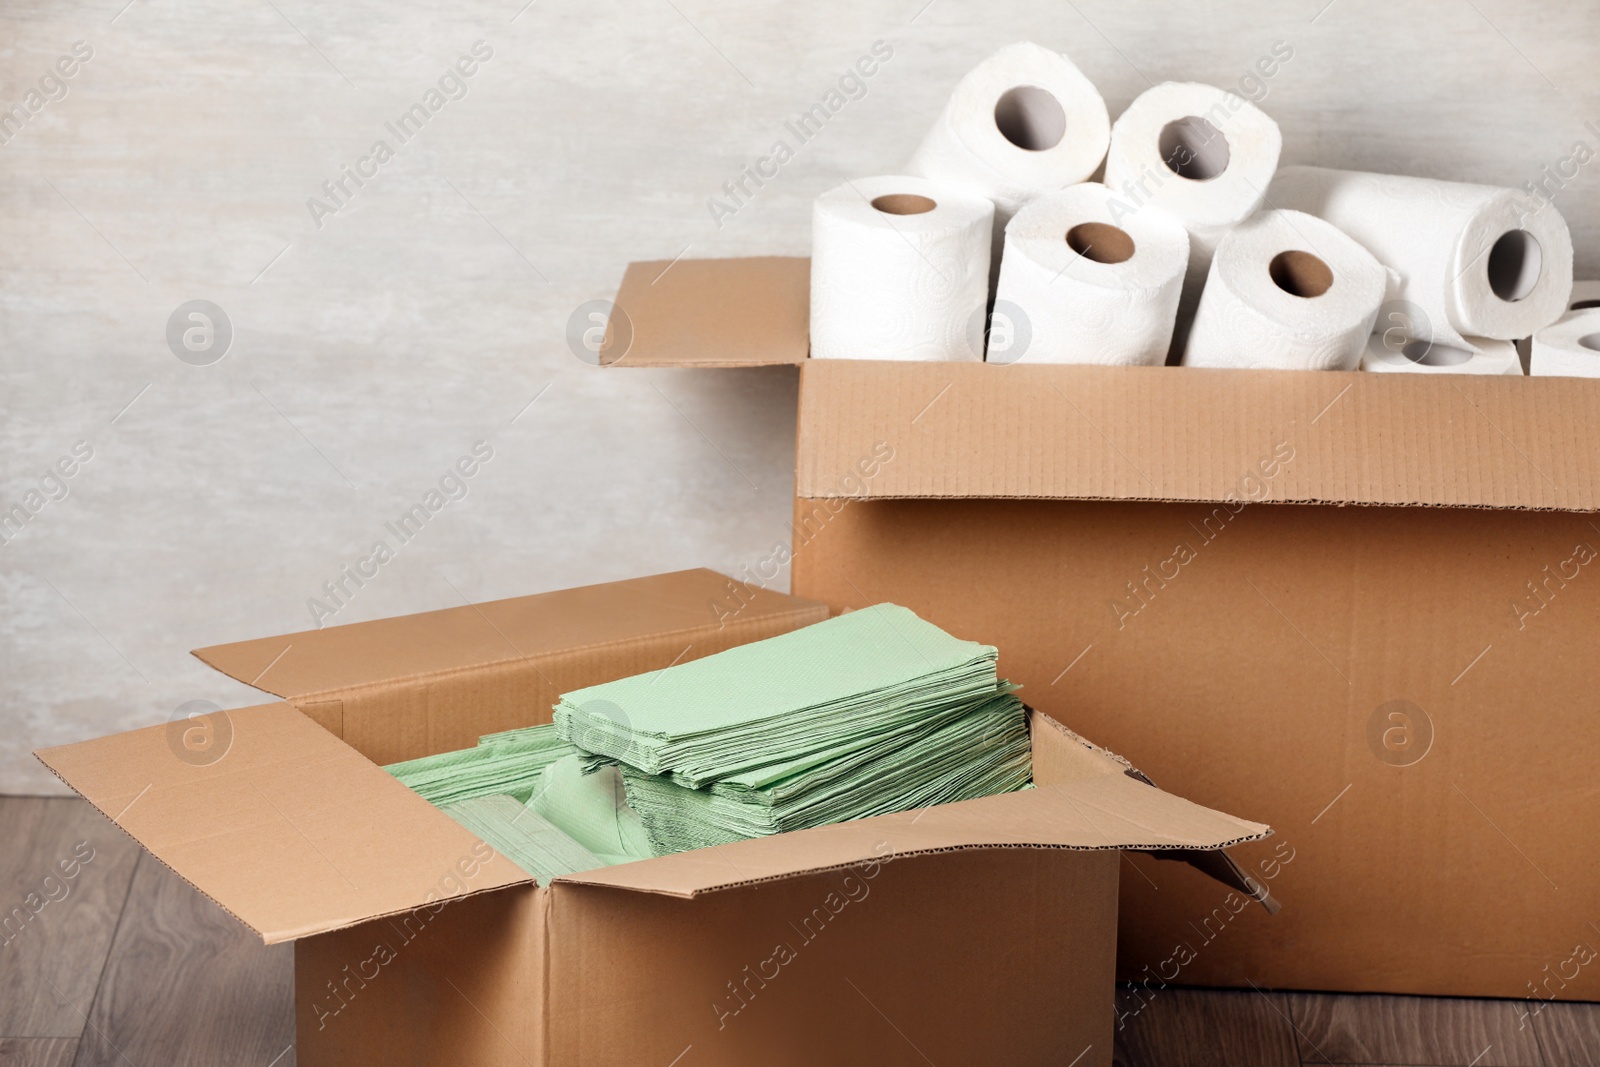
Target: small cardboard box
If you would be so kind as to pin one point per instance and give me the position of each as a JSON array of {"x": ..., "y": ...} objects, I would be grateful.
[
  {"x": 982, "y": 931},
  {"x": 1361, "y": 607}
]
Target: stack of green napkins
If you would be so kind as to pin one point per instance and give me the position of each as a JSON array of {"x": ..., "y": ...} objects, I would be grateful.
[
  {"x": 872, "y": 712},
  {"x": 876, "y": 711}
]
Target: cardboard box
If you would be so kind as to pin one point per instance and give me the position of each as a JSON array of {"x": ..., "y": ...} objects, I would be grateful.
[
  {"x": 1361, "y": 607},
  {"x": 982, "y": 931}
]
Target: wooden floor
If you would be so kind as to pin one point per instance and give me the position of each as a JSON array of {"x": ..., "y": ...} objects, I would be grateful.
[{"x": 125, "y": 964}]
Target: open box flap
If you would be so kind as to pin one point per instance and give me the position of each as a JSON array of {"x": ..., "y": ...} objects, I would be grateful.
[
  {"x": 1084, "y": 799},
  {"x": 289, "y": 830},
  {"x": 1191, "y": 434},
  {"x": 752, "y": 312},
  {"x": 391, "y": 651}
]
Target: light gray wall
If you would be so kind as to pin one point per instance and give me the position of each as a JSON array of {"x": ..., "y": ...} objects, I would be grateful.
[{"x": 370, "y": 353}]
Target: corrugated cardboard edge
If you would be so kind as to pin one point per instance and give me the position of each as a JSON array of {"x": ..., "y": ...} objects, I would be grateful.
[{"x": 546, "y": 1020}]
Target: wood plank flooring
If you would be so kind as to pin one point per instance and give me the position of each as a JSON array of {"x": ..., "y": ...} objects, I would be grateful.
[{"x": 121, "y": 963}]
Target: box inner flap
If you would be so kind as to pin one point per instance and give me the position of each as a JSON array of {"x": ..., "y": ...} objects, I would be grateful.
[
  {"x": 413, "y": 646},
  {"x": 1191, "y": 434},
  {"x": 753, "y": 312},
  {"x": 290, "y": 830},
  {"x": 1096, "y": 811}
]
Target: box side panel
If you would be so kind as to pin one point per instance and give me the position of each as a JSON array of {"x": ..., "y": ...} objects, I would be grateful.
[
  {"x": 1185, "y": 433},
  {"x": 430, "y": 989},
  {"x": 991, "y": 957},
  {"x": 1406, "y": 695},
  {"x": 450, "y": 711}
]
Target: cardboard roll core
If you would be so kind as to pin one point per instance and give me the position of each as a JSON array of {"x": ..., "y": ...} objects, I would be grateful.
[
  {"x": 1583, "y": 305},
  {"x": 1030, "y": 118},
  {"x": 1300, "y": 274},
  {"x": 1515, "y": 262},
  {"x": 1193, "y": 148},
  {"x": 1428, "y": 354},
  {"x": 903, "y": 204},
  {"x": 1100, "y": 242}
]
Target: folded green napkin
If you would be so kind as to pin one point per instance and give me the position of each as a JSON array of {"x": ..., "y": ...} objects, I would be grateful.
[
  {"x": 510, "y": 763},
  {"x": 592, "y": 809},
  {"x": 523, "y": 836}
]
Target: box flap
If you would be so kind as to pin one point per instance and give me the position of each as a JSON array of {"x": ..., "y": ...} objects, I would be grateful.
[
  {"x": 752, "y": 312},
  {"x": 1098, "y": 807},
  {"x": 1060, "y": 755},
  {"x": 289, "y": 830},
  {"x": 409, "y": 647},
  {"x": 1193, "y": 434}
]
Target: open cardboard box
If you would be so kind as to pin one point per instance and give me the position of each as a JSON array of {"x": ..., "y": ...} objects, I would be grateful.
[
  {"x": 982, "y": 931},
  {"x": 1391, "y": 660}
]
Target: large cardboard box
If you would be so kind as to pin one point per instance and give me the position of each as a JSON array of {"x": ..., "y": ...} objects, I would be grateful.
[
  {"x": 978, "y": 932},
  {"x": 1363, "y": 608}
]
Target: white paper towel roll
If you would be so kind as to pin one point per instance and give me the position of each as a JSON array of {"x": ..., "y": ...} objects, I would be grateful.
[
  {"x": 1393, "y": 353},
  {"x": 1023, "y": 122},
  {"x": 1286, "y": 291},
  {"x": 1199, "y": 153},
  {"x": 1569, "y": 348},
  {"x": 1469, "y": 256},
  {"x": 1077, "y": 288},
  {"x": 1585, "y": 296},
  {"x": 899, "y": 270}
]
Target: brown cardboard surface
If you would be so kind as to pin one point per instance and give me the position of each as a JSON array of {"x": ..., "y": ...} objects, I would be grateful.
[
  {"x": 290, "y": 830},
  {"x": 399, "y": 688},
  {"x": 751, "y": 312},
  {"x": 962, "y": 958},
  {"x": 528, "y": 627},
  {"x": 461, "y": 985},
  {"x": 1095, "y": 806},
  {"x": 1254, "y": 677},
  {"x": 1195, "y": 434}
]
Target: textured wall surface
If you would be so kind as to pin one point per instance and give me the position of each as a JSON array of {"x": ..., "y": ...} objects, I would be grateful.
[{"x": 374, "y": 345}]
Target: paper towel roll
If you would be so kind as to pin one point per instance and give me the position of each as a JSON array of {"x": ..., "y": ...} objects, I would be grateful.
[
  {"x": 1023, "y": 122},
  {"x": 1286, "y": 291},
  {"x": 1569, "y": 348},
  {"x": 1199, "y": 153},
  {"x": 1077, "y": 288},
  {"x": 899, "y": 270},
  {"x": 1392, "y": 353},
  {"x": 1469, "y": 256},
  {"x": 1585, "y": 296}
]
